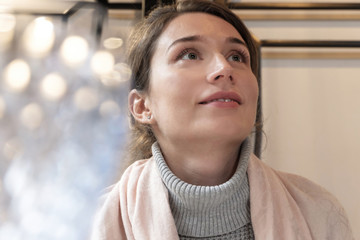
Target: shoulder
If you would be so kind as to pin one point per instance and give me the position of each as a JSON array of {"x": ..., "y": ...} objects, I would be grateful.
[
  {"x": 305, "y": 190},
  {"x": 137, "y": 167},
  {"x": 127, "y": 182},
  {"x": 292, "y": 182},
  {"x": 320, "y": 208},
  {"x": 135, "y": 173}
]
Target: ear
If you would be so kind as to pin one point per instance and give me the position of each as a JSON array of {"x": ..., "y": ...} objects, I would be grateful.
[{"x": 139, "y": 108}]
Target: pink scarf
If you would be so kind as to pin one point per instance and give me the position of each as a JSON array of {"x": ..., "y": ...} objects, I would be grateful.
[{"x": 283, "y": 207}]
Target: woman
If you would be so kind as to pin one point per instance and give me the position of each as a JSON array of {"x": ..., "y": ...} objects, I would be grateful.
[{"x": 193, "y": 107}]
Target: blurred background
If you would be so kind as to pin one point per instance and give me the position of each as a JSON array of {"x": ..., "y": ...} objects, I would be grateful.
[
  {"x": 63, "y": 96},
  {"x": 63, "y": 115}
]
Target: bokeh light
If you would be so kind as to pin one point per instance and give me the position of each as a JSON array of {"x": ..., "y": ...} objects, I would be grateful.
[
  {"x": 32, "y": 116},
  {"x": 121, "y": 74},
  {"x": 113, "y": 43},
  {"x": 7, "y": 29},
  {"x": 109, "y": 108},
  {"x": 53, "y": 86},
  {"x": 12, "y": 148},
  {"x": 86, "y": 99},
  {"x": 39, "y": 37},
  {"x": 124, "y": 70},
  {"x": 17, "y": 75},
  {"x": 74, "y": 50},
  {"x": 2, "y": 107},
  {"x": 62, "y": 131},
  {"x": 102, "y": 62},
  {"x": 10, "y": 231},
  {"x": 16, "y": 178}
]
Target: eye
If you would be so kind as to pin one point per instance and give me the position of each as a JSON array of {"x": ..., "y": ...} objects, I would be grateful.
[
  {"x": 188, "y": 54},
  {"x": 236, "y": 58}
]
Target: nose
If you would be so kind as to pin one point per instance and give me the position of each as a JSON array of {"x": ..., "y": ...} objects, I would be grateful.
[{"x": 220, "y": 69}]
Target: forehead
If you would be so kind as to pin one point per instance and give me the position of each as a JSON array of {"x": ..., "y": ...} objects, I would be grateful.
[{"x": 203, "y": 24}]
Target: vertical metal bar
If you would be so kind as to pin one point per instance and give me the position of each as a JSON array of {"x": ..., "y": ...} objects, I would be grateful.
[
  {"x": 103, "y": 2},
  {"x": 259, "y": 118},
  {"x": 102, "y": 18},
  {"x": 74, "y": 9},
  {"x": 100, "y": 15}
]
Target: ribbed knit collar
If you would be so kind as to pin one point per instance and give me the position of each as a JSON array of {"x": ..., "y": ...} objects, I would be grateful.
[{"x": 203, "y": 211}]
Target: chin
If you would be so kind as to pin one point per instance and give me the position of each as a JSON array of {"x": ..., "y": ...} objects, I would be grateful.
[{"x": 232, "y": 135}]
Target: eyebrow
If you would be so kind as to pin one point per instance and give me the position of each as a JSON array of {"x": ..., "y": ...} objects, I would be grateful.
[
  {"x": 235, "y": 40},
  {"x": 196, "y": 38}
]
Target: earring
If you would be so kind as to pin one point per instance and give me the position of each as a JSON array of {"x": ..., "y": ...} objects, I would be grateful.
[{"x": 149, "y": 117}]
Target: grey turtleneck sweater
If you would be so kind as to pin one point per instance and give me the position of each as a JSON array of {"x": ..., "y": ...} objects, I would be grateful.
[{"x": 210, "y": 212}]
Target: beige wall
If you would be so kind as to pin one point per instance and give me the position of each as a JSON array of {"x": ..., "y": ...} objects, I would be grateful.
[
  {"x": 311, "y": 107},
  {"x": 311, "y": 117}
]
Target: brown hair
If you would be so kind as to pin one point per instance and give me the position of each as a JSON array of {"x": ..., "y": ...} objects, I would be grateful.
[{"x": 143, "y": 42}]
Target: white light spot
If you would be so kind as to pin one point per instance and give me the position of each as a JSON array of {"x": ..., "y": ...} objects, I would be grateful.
[
  {"x": 111, "y": 79},
  {"x": 86, "y": 99},
  {"x": 2, "y": 107},
  {"x": 39, "y": 37},
  {"x": 102, "y": 62},
  {"x": 9, "y": 230},
  {"x": 12, "y": 148},
  {"x": 17, "y": 178},
  {"x": 109, "y": 108},
  {"x": 119, "y": 75},
  {"x": 7, "y": 22},
  {"x": 124, "y": 70},
  {"x": 17, "y": 75},
  {"x": 31, "y": 116},
  {"x": 53, "y": 86},
  {"x": 7, "y": 29},
  {"x": 74, "y": 50},
  {"x": 113, "y": 43},
  {"x": 33, "y": 222}
]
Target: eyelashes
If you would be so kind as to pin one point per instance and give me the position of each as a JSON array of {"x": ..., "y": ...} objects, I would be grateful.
[
  {"x": 239, "y": 56},
  {"x": 188, "y": 54},
  {"x": 193, "y": 54}
]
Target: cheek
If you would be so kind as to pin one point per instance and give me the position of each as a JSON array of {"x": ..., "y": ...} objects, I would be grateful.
[
  {"x": 173, "y": 83},
  {"x": 169, "y": 96},
  {"x": 252, "y": 96},
  {"x": 253, "y": 88},
  {"x": 256, "y": 91},
  {"x": 248, "y": 86},
  {"x": 170, "y": 113}
]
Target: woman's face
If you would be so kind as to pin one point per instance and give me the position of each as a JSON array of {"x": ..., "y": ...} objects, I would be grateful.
[{"x": 201, "y": 83}]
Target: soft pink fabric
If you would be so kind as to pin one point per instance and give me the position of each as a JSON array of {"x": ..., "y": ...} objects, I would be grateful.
[
  {"x": 137, "y": 207},
  {"x": 287, "y": 206},
  {"x": 283, "y": 207}
]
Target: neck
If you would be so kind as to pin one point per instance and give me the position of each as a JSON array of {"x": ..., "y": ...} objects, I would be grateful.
[{"x": 205, "y": 164}]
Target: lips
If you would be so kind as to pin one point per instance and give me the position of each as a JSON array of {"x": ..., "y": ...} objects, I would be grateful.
[{"x": 226, "y": 97}]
